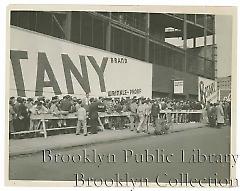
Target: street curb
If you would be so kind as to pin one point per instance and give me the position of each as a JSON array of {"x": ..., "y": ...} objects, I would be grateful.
[
  {"x": 77, "y": 145},
  {"x": 136, "y": 136}
]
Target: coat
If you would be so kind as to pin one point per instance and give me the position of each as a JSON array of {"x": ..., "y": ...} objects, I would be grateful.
[
  {"x": 155, "y": 110},
  {"x": 220, "y": 114}
]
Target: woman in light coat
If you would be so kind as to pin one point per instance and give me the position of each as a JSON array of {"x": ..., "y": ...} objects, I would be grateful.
[{"x": 220, "y": 115}]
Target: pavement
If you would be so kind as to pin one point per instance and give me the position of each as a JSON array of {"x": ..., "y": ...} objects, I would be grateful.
[{"x": 35, "y": 145}]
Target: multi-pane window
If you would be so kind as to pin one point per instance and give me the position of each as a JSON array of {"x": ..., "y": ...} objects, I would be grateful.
[{"x": 49, "y": 23}]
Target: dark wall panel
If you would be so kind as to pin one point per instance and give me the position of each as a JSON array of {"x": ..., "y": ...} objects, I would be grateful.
[{"x": 163, "y": 76}]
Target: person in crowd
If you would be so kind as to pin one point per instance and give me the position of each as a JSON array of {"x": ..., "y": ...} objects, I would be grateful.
[
  {"x": 118, "y": 119},
  {"x": 100, "y": 104},
  {"x": 177, "y": 107},
  {"x": 77, "y": 105},
  {"x": 86, "y": 102},
  {"x": 225, "y": 111},
  {"x": 65, "y": 107},
  {"x": 109, "y": 110},
  {"x": 229, "y": 112},
  {"x": 47, "y": 103},
  {"x": 208, "y": 110},
  {"x": 93, "y": 116},
  {"x": 17, "y": 104},
  {"x": 204, "y": 118},
  {"x": 185, "y": 115},
  {"x": 197, "y": 106},
  {"x": 101, "y": 107},
  {"x": 155, "y": 111},
  {"x": 29, "y": 105},
  {"x": 54, "y": 110},
  {"x": 12, "y": 115},
  {"x": 21, "y": 115},
  {"x": 162, "y": 106},
  {"x": 37, "y": 109},
  {"x": 148, "y": 107},
  {"x": 126, "y": 108},
  {"x": 141, "y": 111},
  {"x": 191, "y": 115},
  {"x": 82, "y": 119},
  {"x": 73, "y": 102},
  {"x": 133, "y": 115},
  {"x": 220, "y": 115},
  {"x": 212, "y": 115}
]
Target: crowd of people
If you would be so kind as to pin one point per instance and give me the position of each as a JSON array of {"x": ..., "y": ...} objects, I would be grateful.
[
  {"x": 141, "y": 112},
  {"x": 218, "y": 114}
]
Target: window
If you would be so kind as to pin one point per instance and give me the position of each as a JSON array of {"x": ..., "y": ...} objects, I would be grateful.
[
  {"x": 32, "y": 20},
  {"x": 200, "y": 19},
  {"x": 14, "y": 18},
  {"x": 24, "y": 19},
  {"x": 44, "y": 23},
  {"x": 99, "y": 33},
  {"x": 191, "y": 17},
  {"x": 127, "y": 41},
  {"x": 117, "y": 43},
  {"x": 75, "y": 27},
  {"x": 86, "y": 29}
]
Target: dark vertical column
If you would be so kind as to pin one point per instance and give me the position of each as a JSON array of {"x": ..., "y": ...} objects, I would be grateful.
[
  {"x": 205, "y": 43},
  {"x": 147, "y": 24},
  {"x": 185, "y": 41},
  {"x": 185, "y": 45},
  {"x": 108, "y": 34},
  {"x": 194, "y": 42},
  {"x": 68, "y": 24},
  {"x": 213, "y": 49}
]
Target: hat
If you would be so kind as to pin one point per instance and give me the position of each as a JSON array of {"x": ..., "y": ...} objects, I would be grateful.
[
  {"x": 54, "y": 100},
  {"x": 29, "y": 99},
  {"x": 39, "y": 103},
  {"x": 41, "y": 98},
  {"x": 19, "y": 99}
]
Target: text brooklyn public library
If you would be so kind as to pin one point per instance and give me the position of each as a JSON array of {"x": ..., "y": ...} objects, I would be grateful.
[{"x": 128, "y": 155}]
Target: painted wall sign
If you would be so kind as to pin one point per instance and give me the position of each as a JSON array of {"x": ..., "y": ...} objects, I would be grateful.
[{"x": 44, "y": 65}]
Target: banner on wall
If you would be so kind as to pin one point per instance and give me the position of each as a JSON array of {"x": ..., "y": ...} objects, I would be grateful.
[
  {"x": 207, "y": 90},
  {"x": 41, "y": 65},
  {"x": 178, "y": 86}
]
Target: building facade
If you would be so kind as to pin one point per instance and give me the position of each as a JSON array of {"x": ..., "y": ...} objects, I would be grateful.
[
  {"x": 224, "y": 88},
  {"x": 224, "y": 83},
  {"x": 179, "y": 46}
]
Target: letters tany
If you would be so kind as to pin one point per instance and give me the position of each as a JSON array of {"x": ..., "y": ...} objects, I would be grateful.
[{"x": 43, "y": 66}]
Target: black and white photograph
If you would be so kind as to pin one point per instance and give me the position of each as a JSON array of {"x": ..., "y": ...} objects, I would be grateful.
[{"x": 121, "y": 96}]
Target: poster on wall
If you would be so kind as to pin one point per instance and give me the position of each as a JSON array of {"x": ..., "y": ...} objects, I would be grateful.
[
  {"x": 207, "y": 90},
  {"x": 41, "y": 65},
  {"x": 178, "y": 86}
]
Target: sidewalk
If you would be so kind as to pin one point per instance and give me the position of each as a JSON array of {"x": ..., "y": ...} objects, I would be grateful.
[{"x": 34, "y": 145}]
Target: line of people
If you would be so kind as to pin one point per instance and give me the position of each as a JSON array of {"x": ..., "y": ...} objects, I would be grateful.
[{"x": 143, "y": 111}]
